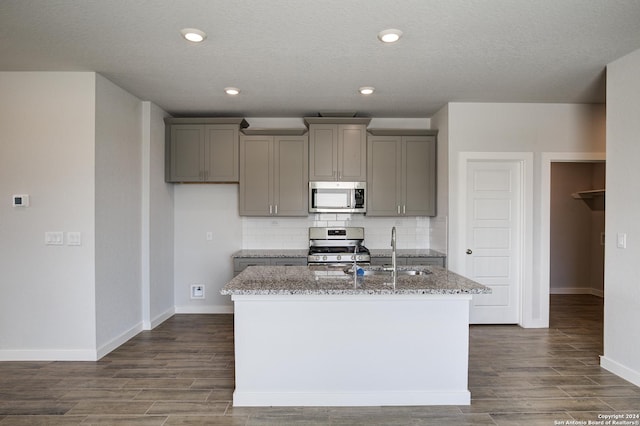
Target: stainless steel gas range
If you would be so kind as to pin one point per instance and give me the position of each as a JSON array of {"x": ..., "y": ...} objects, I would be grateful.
[{"x": 337, "y": 246}]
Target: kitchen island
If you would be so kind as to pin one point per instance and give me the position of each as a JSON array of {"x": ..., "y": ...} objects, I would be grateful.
[{"x": 316, "y": 337}]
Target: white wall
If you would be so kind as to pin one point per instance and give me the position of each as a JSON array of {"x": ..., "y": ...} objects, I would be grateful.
[
  {"x": 622, "y": 292},
  {"x": 157, "y": 222},
  {"x": 47, "y": 308},
  {"x": 118, "y": 227},
  {"x": 533, "y": 128},
  {"x": 200, "y": 209},
  {"x": 439, "y": 234}
]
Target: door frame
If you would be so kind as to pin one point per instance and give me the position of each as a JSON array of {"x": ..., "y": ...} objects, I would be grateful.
[
  {"x": 544, "y": 254},
  {"x": 525, "y": 290}
]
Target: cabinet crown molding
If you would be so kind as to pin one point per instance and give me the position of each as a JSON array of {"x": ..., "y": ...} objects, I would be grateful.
[
  {"x": 263, "y": 131},
  {"x": 336, "y": 120},
  {"x": 402, "y": 132},
  {"x": 240, "y": 121}
]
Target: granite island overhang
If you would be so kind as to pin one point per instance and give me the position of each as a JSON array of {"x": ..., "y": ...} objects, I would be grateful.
[{"x": 306, "y": 337}]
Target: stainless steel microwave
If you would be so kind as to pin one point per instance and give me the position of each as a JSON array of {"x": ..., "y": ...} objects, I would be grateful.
[{"x": 337, "y": 197}]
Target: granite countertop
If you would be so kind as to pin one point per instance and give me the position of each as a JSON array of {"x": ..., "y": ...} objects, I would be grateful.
[
  {"x": 303, "y": 280},
  {"x": 272, "y": 253},
  {"x": 303, "y": 253},
  {"x": 407, "y": 253}
]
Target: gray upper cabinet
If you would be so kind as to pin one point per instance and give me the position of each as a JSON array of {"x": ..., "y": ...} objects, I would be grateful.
[
  {"x": 274, "y": 175},
  {"x": 202, "y": 149},
  {"x": 337, "y": 149},
  {"x": 401, "y": 173},
  {"x": 384, "y": 163}
]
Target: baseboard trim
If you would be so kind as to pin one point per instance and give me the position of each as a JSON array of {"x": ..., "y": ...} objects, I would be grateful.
[
  {"x": 360, "y": 399},
  {"x": 208, "y": 309},
  {"x": 48, "y": 355},
  {"x": 576, "y": 290},
  {"x": 535, "y": 324},
  {"x": 159, "y": 319},
  {"x": 620, "y": 370},
  {"x": 119, "y": 340}
]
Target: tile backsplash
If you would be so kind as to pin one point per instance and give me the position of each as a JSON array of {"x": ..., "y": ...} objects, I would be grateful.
[{"x": 293, "y": 233}]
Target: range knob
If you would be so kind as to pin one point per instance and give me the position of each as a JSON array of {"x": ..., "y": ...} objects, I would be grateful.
[
  {"x": 324, "y": 257},
  {"x": 353, "y": 257},
  {"x": 339, "y": 257}
]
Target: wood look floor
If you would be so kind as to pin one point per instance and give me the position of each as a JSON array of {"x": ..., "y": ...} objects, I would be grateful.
[{"x": 181, "y": 373}]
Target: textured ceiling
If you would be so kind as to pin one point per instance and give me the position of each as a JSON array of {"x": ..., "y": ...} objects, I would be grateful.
[{"x": 298, "y": 57}]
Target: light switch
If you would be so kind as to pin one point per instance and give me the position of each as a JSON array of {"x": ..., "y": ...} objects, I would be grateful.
[
  {"x": 621, "y": 240},
  {"x": 52, "y": 238},
  {"x": 74, "y": 238}
]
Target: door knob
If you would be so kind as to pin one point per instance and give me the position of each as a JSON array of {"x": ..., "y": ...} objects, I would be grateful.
[{"x": 469, "y": 251}]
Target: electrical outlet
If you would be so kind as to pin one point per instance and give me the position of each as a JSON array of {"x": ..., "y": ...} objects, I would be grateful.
[
  {"x": 197, "y": 291},
  {"x": 21, "y": 200}
]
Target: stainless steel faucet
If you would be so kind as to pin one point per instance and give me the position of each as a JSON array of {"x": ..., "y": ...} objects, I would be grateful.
[
  {"x": 355, "y": 267},
  {"x": 394, "y": 264}
]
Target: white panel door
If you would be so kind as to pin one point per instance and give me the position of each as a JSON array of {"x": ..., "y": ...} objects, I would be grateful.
[{"x": 493, "y": 233}]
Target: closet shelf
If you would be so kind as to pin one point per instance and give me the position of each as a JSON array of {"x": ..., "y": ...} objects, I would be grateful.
[
  {"x": 581, "y": 195},
  {"x": 593, "y": 198}
]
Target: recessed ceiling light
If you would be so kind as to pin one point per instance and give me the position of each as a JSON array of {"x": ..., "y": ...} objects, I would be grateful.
[
  {"x": 367, "y": 90},
  {"x": 389, "y": 36},
  {"x": 231, "y": 91},
  {"x": 193, "y": 34}
]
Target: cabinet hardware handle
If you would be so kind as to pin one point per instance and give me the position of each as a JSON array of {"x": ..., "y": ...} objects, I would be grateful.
[
  {"x": 398, "y": 208},
  {"x": 270, "y": 209},
  {"x": 276, "y": 209},
  {"x": 469, "y": 251},
  {"x": 404, "y": 209}
]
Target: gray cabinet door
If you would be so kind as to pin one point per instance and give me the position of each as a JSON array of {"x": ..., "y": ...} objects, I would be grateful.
[
  {"x": 221, "y": 153},
  {"x": 187, "y": 153},
  {"x": 401, "y": 176},
  {"x": 419, "y": 175},
  {"x": 323, "y": 152},
  {"x": 274, "y": 175},
  {"x": 383, "y": 175},
  {"x": 289, "y": 261},
  {"x": 338, "y": 152},
  {"x": 203, "y": 153},
  {"x": 256, "y": 171},
  {"x": 240, "y": 264},
  {"x": 290, "y": 179},
  {"x": 352, "y": 153}
]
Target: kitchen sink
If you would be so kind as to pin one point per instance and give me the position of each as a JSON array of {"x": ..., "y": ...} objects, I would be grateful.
[{"x": 372, "y": 272}]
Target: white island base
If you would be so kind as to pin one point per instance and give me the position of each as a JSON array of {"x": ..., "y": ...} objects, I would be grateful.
[{"x": 351, "y": 350}]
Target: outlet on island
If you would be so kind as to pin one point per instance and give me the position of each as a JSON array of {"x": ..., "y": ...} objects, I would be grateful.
[{"x": 197, "y": 291}]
